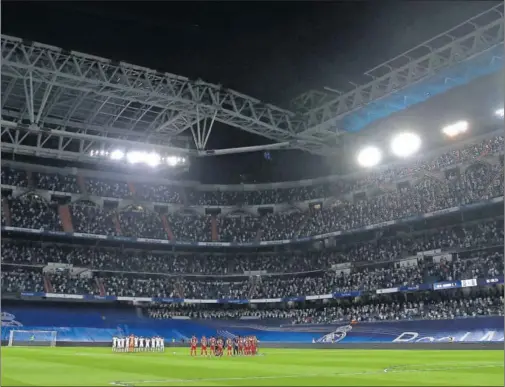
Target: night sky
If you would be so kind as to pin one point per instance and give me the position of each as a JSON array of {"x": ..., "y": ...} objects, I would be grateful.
[{"x": 272, "y": 51}]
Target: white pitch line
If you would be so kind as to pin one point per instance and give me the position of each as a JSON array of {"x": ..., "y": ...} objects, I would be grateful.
[
  {"x": 386, "y": 370},
  {"x": 132, "y": 383}
]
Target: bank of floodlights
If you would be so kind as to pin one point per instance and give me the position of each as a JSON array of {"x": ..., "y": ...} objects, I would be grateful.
[
  {"x": 455, "y": 129},
  {"x": 499, "y": 113},
  {"x": 402, "y": 145},
  {"x": 369, "y": 157},
  {"x": 405, "y": 144},
  {"x": 134, "y": 157}
]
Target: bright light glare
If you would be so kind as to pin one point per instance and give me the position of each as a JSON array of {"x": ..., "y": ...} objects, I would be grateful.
[
  {"x": 172, "y": 161},
  {"x": 152, "y": 159},
  {"x": 135, "y": 157},
  {"x": 499, "y": 113},
  {"x": 117, "y": 155},
  {"x": 405, "y": 144},
  {"x": 455, "y": 129},
  {"x": 369, "y": 157}
]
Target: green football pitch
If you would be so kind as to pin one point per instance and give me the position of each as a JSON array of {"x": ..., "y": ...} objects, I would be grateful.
[{"x": 274, "y": 367}]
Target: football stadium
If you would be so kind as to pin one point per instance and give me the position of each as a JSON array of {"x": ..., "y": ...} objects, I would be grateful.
[{"x": 118, "y": 270}]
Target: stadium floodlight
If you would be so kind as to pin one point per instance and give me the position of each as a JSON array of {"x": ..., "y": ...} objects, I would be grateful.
[
  {"x": 172, "y": 161},
  {"x": 455, "y": 129},
  {"x": 152, "y": 159},
  {"x": 405, "y": 144},
  {"x": 135, "y": 157},
  {"x": 499, "y": 113},
  {"x": 117, "y": 155},
  {"x": 369, "y": 157}
]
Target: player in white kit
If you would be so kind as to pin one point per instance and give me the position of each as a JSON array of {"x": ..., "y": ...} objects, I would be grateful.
[
  {"x": 148, "y": 344},
  {"x": 114, "y": 344},
  {"x": 153, "y": 343},
  {"x": 141, "y": 344},
  {"x": 136, "y": 344},
  {"x": 162, "y": 344},
  {"x": 158, "y": 343}
]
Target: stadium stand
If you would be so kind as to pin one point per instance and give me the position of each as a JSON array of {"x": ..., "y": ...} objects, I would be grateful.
[{"x": 374, "y": 265}]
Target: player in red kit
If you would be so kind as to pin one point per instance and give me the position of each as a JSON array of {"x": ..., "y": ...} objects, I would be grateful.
[
  {"x": 203, "y": 350},
  {"x": 254, "y": 348},
  {"x": 247, "y": 346},
  {"x": 220, "y": 345},
  {"x": 240, "y": 345},
  {"x": 212, "y": 346},
  {"x": 193, "y": 343},
  {"x": 229, "y": 347}
]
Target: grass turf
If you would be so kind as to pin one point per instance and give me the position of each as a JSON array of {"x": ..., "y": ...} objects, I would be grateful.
[{"x": 275, "y": 367}]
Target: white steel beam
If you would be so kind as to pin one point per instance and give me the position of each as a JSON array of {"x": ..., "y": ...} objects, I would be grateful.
[
  {"x": 110, "y": 89},
  {"x": 73, "y": 146},
  {"x": 464, "y": 41},
  {"x": 310, "y": 100}
]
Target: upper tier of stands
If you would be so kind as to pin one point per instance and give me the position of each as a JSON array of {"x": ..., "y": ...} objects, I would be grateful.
[{"x": 191, "y": 196}]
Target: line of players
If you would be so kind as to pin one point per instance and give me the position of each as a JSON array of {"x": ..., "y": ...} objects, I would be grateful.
[
  {"x": 133, "y": 343},
  {"x": 239, "y": 346}
]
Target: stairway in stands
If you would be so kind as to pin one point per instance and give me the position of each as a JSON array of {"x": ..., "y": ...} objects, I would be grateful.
[
  {"x": 100, "y": 286},
  {"x": 167, "y": 228},
  {"x": 214, "y": 228},
  {"x": 132, "y": 189},
  {"x": 65, "y": 218},
  {"x": 184, "y": 196},
  {"x": 179, "y": 289},
  {"x": 494, "y": 180},
  {"x": 48, "y": 286},
  {"x": 259, "y": 233},
  {"x": 301, "y": 225},
  {"x": 117, "y": 225},
  {"x": 6, "y": 212},
  {"x": 29, "y": 177},
  {"x": 254, "y": 281},
  {"x": 81, "y": 182}
]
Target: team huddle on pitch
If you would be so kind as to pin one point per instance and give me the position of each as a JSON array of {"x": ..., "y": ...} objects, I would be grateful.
[
  {"x": 133, "y": 343},
  {"x": 239, "y": 346}
]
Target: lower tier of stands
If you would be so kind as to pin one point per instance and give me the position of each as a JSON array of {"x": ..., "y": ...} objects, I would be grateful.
[{"x": 469, "y": 318}]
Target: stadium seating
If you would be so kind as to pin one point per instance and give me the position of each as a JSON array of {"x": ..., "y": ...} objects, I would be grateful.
[
  {"x": 371, "y": 265},
  {"x": 428, "y": 191}
]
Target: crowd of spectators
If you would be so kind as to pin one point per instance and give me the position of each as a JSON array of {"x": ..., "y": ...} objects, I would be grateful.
[
  {"x": 132, "y": 275},
  {"x": 26, "y": 279},
  {"x": 479, "y": 182},
  {"x": 63, "y": 283},
  {"x": 14, "y": 177},
  {"x": 456, "y": 305},
  {"x": 158, "y": 193},
  {"x": 190, "y": 227},
  {"x": 138, "y": 224},
  {"x": 173, "y": 194},
  {"x": 478, "y": 235},
  {"x": 238, "y": 229},
  {"x": 88, "y": 218},
  {"x": 108, "y": 188},
  {"x": 56, "y": 182},
  {"x": 31, "y": 211}
]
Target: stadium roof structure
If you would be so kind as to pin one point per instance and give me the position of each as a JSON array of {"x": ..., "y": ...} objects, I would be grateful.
[
  {"x": 64, "y": 105},
  {"x": 456, "y": 57}
]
